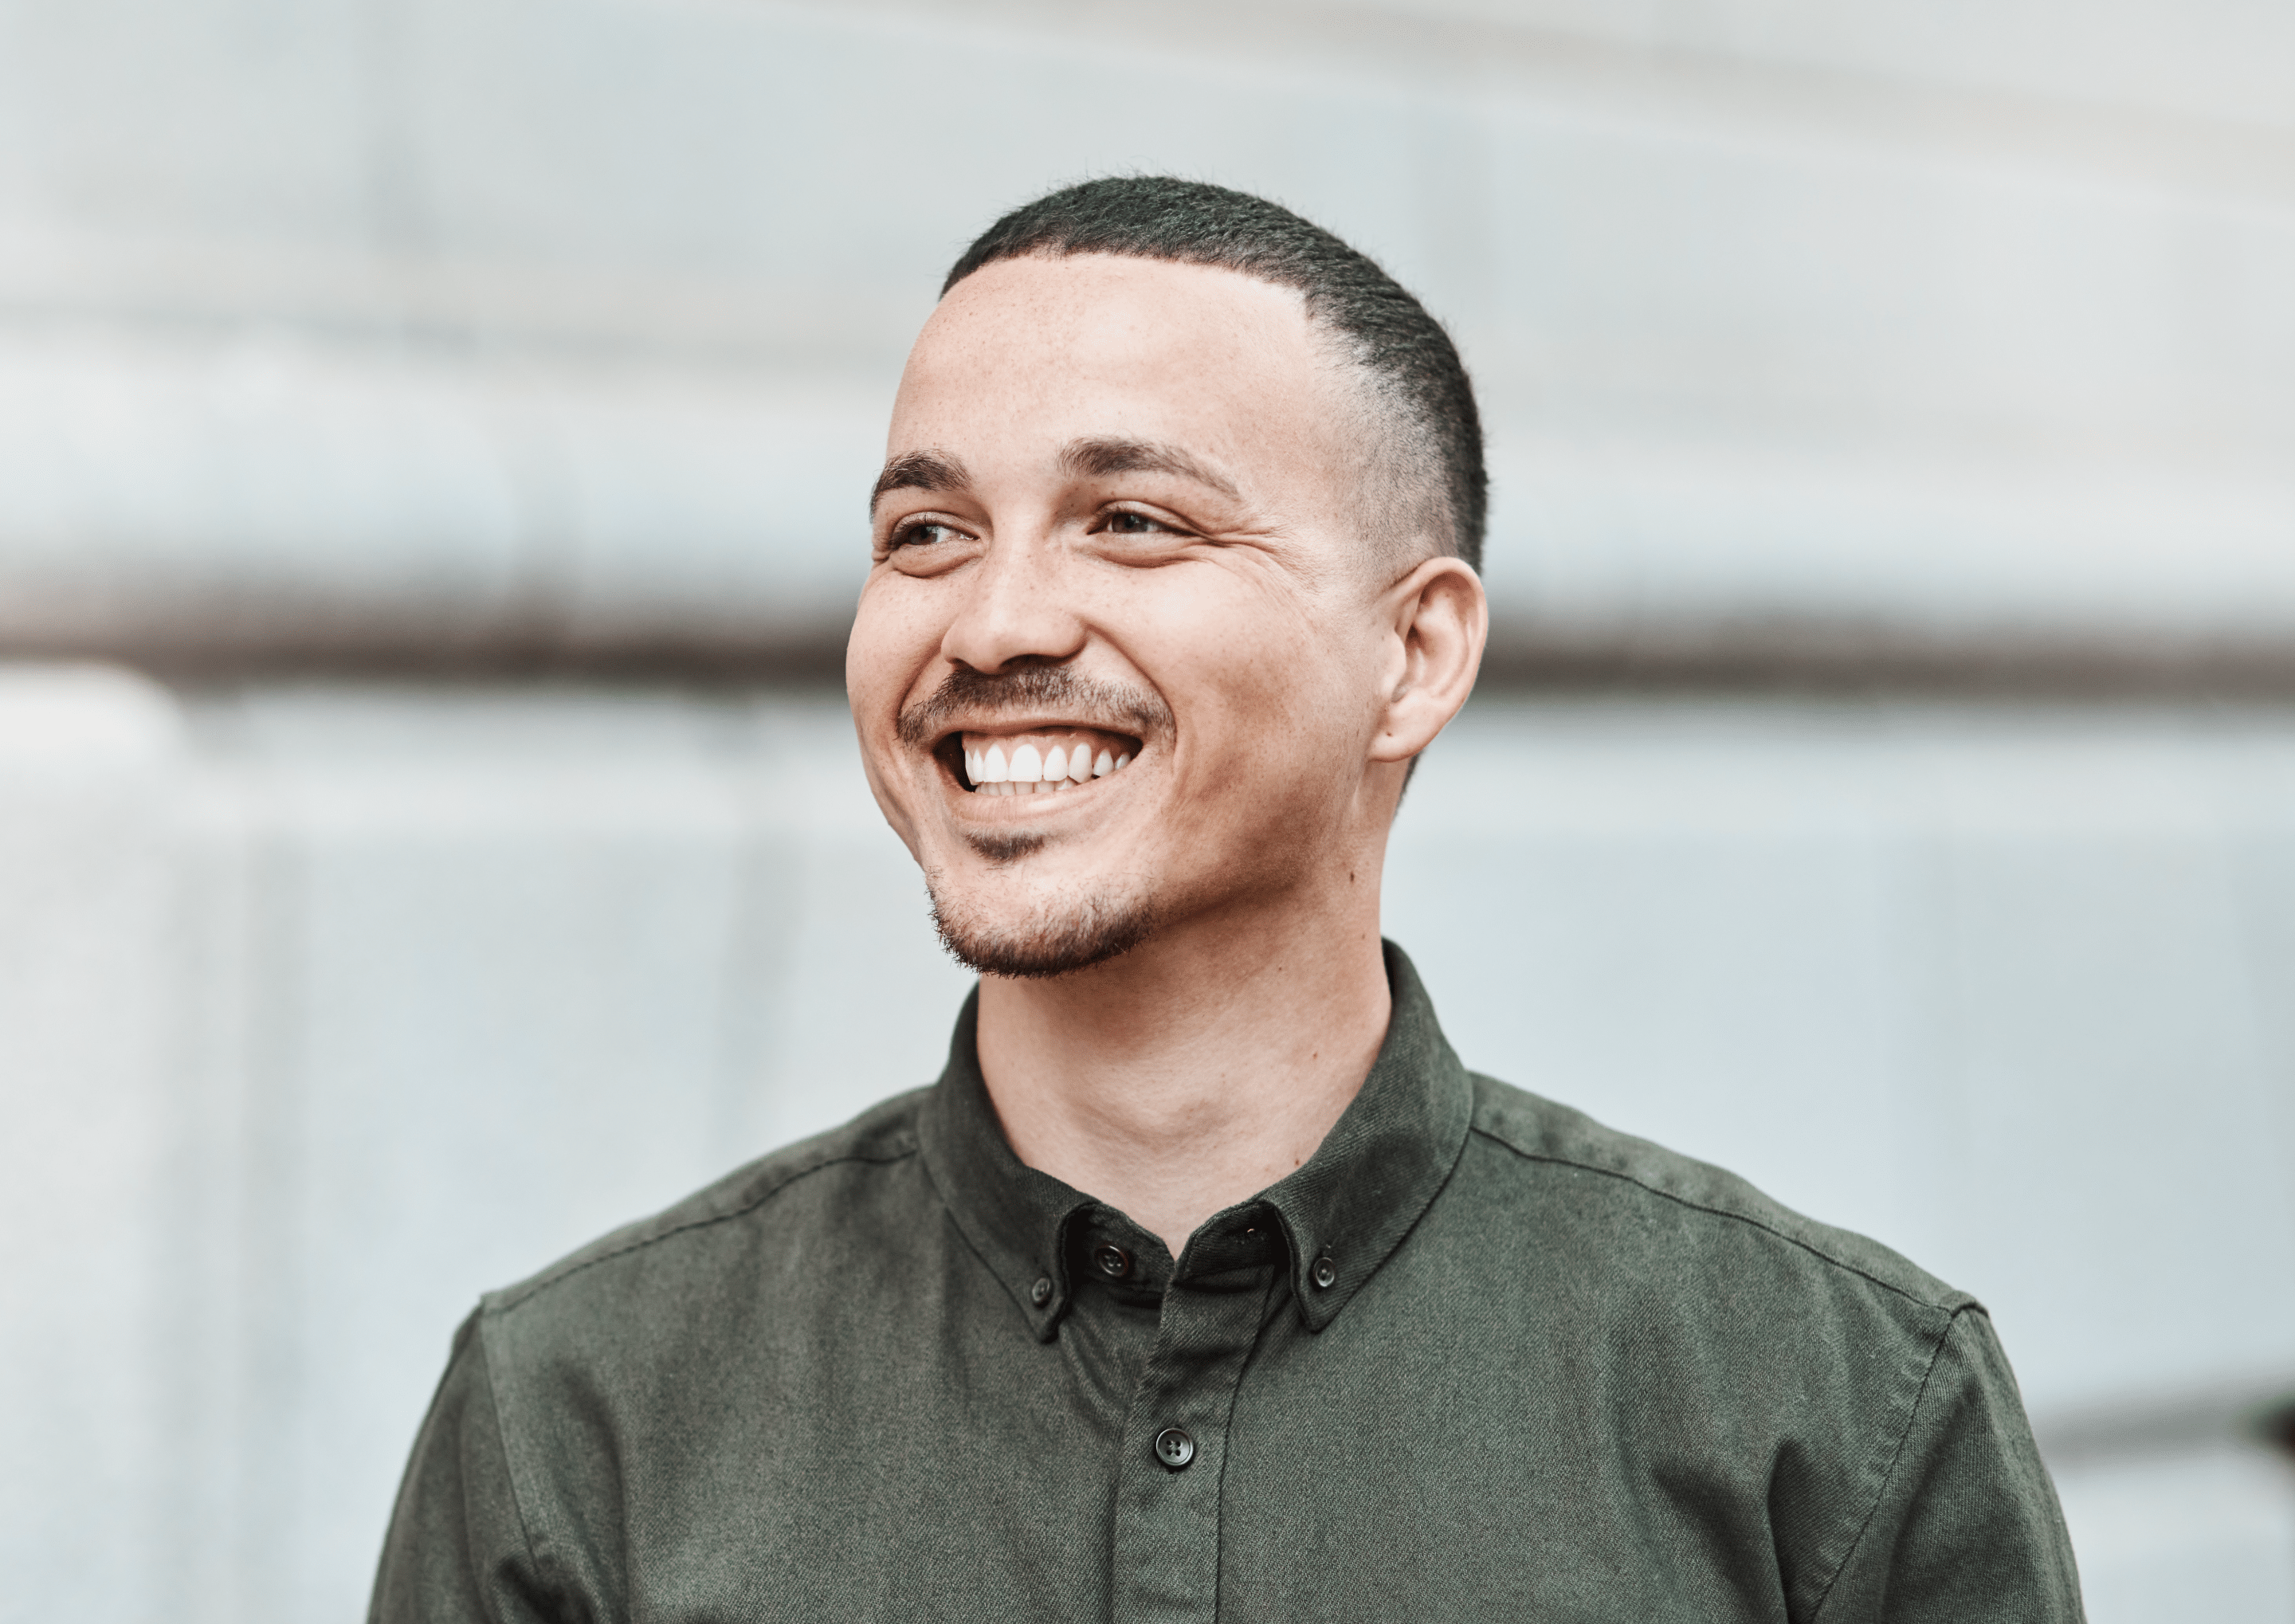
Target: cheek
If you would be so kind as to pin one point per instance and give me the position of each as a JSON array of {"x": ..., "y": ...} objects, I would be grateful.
[
  {"x": 892, "y": 640},
  {"x": 1270, "y": 704}
]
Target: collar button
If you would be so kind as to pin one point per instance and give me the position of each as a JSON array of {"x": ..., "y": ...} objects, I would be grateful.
[
  {"x": 1041, "y": 1292},
  {"x": 1113, "y": 1261},
  {"x": 1325, "y": 1274}
]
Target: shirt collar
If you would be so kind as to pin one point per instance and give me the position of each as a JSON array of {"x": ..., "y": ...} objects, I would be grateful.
[{"x": 1343, "y": 1212}]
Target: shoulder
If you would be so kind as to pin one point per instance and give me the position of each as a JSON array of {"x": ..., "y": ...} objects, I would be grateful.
[
  {"x": 1636, "y": 1198},
  {"x": 1770, "y": 1373},
  {"x": 602, "y": 1361},
  {"x": 773, "y": 1203}
]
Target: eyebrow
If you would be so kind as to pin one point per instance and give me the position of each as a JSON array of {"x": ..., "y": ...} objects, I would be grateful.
[
  {"x": 920, "y": 470},
  {"x": 933, "y": 470},
  {"x": 1098, "y": 459}
]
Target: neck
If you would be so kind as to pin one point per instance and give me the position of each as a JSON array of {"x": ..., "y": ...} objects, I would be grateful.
[{"x": 1195, "y": 1070}]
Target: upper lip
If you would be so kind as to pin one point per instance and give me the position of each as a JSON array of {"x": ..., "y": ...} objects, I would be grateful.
[{"x": 1035, "y": 724}]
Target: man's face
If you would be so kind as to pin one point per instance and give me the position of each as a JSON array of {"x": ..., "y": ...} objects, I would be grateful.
[{"x": 1119, "y": 549}]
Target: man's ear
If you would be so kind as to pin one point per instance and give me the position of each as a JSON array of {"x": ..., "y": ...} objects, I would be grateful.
[{"x": 1440, "y": 620}]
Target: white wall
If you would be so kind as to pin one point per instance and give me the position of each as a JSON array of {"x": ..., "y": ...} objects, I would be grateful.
[
  {"x": 396, "y": 323},
  {"x": 93, "y": 1143},
  {"x": 330, "y": 1006}
]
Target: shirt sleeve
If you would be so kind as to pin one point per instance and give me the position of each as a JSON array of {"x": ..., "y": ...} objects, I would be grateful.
[
  {"x": 1966, "y": 1530},
  {"x": 457, "y": 1551}
]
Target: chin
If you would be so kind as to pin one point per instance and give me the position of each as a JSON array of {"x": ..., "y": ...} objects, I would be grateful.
[{"x": 1050, "y": 939}]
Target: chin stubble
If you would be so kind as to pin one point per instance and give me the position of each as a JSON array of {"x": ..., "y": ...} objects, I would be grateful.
[{"x": 1091, "y": 930}]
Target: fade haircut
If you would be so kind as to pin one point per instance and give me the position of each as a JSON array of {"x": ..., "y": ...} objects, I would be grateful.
[{"x": 1417, "y": 383}]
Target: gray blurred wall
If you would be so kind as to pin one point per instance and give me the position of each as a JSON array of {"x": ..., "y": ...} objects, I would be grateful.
[
  {"x": 432, "y": 441},
  {"x": 397, "y": 324}
]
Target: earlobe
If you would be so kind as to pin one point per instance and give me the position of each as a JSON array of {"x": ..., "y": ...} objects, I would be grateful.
[{"x": 1442, "y": 622}]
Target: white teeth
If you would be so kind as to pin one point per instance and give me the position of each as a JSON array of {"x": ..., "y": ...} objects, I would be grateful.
[{"x": 1035, "y": 769}]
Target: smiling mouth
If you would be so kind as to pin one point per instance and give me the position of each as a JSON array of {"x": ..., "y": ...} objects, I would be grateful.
[{"x": 1038, "y": 761}]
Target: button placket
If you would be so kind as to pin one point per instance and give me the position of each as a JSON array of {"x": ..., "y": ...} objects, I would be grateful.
[{"x": 1167, "y": 1496}]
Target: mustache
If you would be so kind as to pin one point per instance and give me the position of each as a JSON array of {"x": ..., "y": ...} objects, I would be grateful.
[{"x": 1087, "y": 701}]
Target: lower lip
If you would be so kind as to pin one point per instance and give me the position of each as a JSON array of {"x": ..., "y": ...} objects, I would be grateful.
[{"x": 1032, "y": 792}]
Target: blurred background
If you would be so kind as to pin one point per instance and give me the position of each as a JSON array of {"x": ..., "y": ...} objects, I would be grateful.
[{"x": 433, "y": 444}]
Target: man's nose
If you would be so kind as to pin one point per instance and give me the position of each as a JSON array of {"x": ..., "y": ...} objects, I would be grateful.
[{"x": 1014, "y": 608}]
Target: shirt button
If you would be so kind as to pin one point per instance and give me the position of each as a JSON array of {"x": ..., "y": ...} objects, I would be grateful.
[
  {"x": 1113, "y": 1261},
  {"x": 1326, "y": 1272},
  {"x": 1174, "y": 1448},
  {"x": 1041, "y": 1292}
]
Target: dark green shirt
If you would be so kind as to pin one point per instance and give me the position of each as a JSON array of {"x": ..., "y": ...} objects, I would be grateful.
[{"x": 1479, "y": 1359}]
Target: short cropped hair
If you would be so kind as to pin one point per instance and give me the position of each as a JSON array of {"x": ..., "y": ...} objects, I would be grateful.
[{"x": 1414, "y": 375}]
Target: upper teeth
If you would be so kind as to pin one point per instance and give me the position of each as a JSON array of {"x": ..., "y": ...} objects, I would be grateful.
[{"x": 1040, "y": 764}]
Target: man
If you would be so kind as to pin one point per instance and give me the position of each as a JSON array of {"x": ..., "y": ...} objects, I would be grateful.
[{"x": 1205, "y": 1283}]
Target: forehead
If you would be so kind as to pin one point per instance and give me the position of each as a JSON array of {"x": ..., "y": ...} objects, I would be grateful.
[{"x": 1098, "y": 345}]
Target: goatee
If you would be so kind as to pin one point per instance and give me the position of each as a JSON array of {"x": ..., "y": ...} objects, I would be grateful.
[{"x": 1090, "y": 932}]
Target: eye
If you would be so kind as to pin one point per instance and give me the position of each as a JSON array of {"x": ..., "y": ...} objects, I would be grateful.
[
  {"x": 922, "y": 532},
  {"x": 1123, "y": 521}
]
